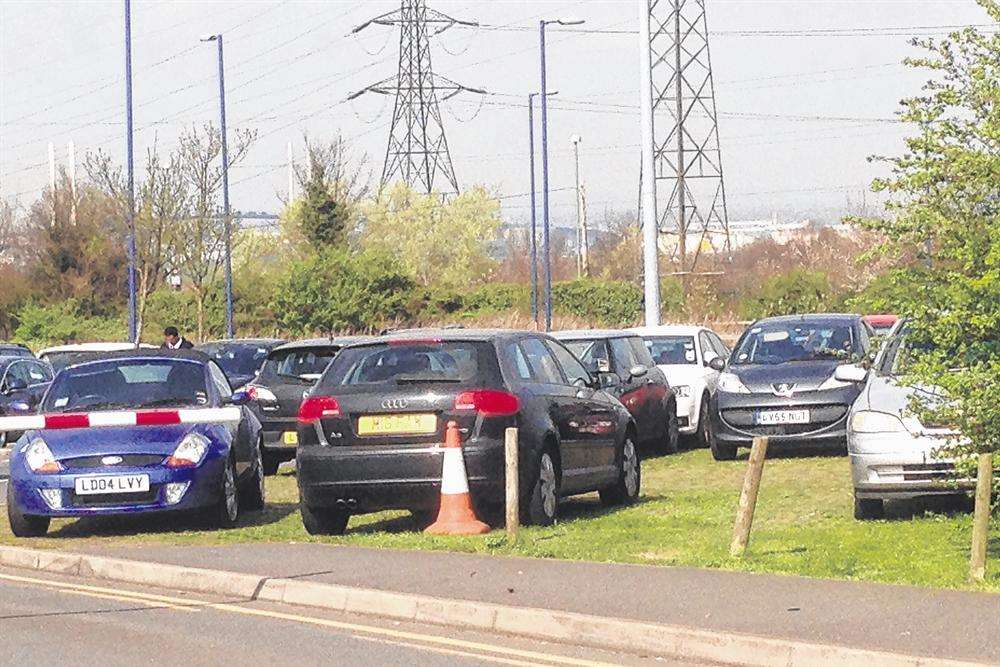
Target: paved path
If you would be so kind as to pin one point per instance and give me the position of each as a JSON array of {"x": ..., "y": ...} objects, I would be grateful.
[
  {"x": 900, "y": 619},
  {"x": 50, "y": 619}
]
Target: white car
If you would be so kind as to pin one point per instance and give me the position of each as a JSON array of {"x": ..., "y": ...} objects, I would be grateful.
[
  {"x": 58, "y": 356},
  {"x": 893, "y": 455},
  {"x": 683, "y": 353}
]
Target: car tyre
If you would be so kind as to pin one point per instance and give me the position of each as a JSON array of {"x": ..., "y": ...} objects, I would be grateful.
[
  {"x": 543, "y": 502},
  {"x": 324, "y": 520},
  {"x": 227, "y": 507},
  {"x": 625, "y": 490},
  {"x": 704, "y": 436},
  {"x": 23, "y": 525},
  {"x": 868, "y": 508},
  {"x": 672, "y": 438},
  {"x": 254, "y": 494}
]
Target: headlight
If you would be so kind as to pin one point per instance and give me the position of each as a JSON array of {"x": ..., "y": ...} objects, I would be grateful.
[
  {"x": 190, "y": 452},
  {"x": 259, "y": 393},
  {"x": 869, "y": 421},
  {"x": 731, "y": 383},
  {"x": 39, "y": 458},
  {"x": 832, "y": 383},
  {"x": 682, "y": 391}
]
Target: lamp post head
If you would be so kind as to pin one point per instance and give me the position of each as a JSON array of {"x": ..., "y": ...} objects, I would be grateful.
[
  {"x": 576, "y": 139},
  {"x": 210, "y": 38},
  {"x": 562, "y": 22}
]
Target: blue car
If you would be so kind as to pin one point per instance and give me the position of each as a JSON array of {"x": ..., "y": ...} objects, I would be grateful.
[{"x": 135, "y": 432}]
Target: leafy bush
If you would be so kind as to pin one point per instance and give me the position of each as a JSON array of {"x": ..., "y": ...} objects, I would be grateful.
[
  {"x": 168, "y": 307},
  {"x": 335, "y": 290},
  {"x": 65, "y": 322},
  {"x": 498, "y": 298},
  {"x": 798, "y": 291},
  {"x": 602, "y": 302}
]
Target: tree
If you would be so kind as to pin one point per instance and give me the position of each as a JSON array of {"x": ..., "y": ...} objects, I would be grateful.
[
  {"x": 447, "y": 243},
  {"x": 333, "y": 186},
  {"x": 198, "y": 249},
  {"x": 336, "y": 290},
  {"x": 944, "y": 212},
  {"x": 161, "y": 203}
]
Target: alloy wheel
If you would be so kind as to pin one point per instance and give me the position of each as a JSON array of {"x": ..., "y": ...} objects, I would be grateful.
[
  {"x": 630, "y": 467},
  {"x": 229, "y": 490},
  {"x": 547, "y": 477}
]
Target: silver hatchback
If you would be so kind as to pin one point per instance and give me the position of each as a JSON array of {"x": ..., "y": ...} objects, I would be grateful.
[{"x": 893, "y": 455}]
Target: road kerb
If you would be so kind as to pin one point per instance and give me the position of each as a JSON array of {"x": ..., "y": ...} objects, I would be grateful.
[{"x": 580, "y": 629}]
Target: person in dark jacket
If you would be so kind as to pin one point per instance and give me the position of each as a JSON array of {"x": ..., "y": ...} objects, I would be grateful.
[{"x": 172, "y": 340}]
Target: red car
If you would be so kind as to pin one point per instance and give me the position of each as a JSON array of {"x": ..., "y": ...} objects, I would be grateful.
[{"x": 881, "y": 324}]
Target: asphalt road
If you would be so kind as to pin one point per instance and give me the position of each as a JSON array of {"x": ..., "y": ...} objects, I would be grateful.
[{"x": 52, "y": 619}]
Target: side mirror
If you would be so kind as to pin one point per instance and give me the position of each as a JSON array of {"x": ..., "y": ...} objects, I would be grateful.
[
  {"x": 15, "y": 384},
  {"x": 850, "y": 373},
  {"x": 717, "y": 364},
  {"x": 240, "y": 397},
  {"x": 638, "y": 371}
]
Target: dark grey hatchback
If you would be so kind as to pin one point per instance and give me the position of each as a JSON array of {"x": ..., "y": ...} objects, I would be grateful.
[{"x": 370, "y": 432}]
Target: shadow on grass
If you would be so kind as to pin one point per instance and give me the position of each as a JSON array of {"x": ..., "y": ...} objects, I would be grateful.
[
  {"x": 779, "y": 451},
  {"x": 948, "y": 506},
  {"x": 166, "y": 522}
]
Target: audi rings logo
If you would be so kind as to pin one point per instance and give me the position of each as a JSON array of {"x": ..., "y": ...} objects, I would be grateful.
[{"x": 395, "y": 404}]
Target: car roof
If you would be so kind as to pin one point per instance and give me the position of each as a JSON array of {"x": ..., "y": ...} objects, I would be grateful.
[
  {"x": 450, "y": 334},
  {"x": 669, "y": 330},
  {"x": 155, "y": 353},
  {"x": 337, "y": 341},
  {"x": 811, "y": 317},
  {"x": 593, "y": 334},
  {"x": 243, "y": 341},
  {"x": 94, "y": 347}
]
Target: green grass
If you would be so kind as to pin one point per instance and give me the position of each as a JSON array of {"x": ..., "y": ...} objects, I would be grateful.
[{"x": 803, "y": 526}]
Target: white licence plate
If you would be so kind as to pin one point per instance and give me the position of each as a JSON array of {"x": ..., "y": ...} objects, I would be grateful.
[
  {"x": 771, "y": 417},
  {"x": 89, "y": 486}
]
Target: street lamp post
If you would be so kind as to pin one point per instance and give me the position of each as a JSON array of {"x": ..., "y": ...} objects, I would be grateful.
[
  {"x": 534, "y": 223},
  {"x": 230, "y": 332},
  {"x": 546, "y": 249},
  {"x": 581, "y": 239},
  {"x": 133, "y": 318}
]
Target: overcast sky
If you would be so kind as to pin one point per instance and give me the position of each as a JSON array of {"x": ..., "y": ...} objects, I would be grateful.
[{"x": 796, "y": 82}]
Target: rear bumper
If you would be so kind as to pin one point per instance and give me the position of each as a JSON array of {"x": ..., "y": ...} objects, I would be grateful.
[
  {"x": 273, "y": 429},
  {"x": 370, "y": 479},
  {"x": 899, "y": 466}
]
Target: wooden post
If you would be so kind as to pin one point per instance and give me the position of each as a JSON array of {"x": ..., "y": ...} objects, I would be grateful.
[
  {"x": 513, "y": 503},
  {"x": 748, "y": 498},
  {"x": 981, "y": 519}
]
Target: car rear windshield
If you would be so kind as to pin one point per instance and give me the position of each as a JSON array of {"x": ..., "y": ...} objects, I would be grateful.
[
  {"x": 236, "y": 359},
  {"x": 671, "y": 350},
  {"x": 778, "y": 343},
  {"x": 305, "y": 364},
  {"x": 128, "y": 383},
  {"x": 449, "y": 362}
]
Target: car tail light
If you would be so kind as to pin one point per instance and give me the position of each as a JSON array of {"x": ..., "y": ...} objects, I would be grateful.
[
  {"x": 488, "y": 402},
  {"x": 315, "y": 408}
]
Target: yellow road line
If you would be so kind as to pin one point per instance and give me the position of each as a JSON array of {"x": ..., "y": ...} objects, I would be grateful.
[
  {"x": 128, "y": 598},
  {"x": 434, "y": 642}
]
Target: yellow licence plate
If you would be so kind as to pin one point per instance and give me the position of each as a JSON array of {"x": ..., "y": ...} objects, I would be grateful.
[
  {"x": 396, "y": 424},
  {"x": 290, "y": 438}
]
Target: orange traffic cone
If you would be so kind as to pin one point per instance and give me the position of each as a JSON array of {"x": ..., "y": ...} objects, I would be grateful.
[{"x": 456, "y": 516}]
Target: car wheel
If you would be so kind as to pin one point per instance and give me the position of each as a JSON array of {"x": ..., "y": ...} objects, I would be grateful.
[
  {"x": 323, "y": 520},
  {"x": 271, "y": 464},
  {"x": 671, "y": 439},
  {"x": 227, "y": 509},
  {"x": 704, "y": 423},
  {"x": 868, "y": 508},
  {"x": 626, "y": 490},
  {"x": 544, "y": 498},
  {"x": 21, "y": 524},
  {"x": 253, "y": 492}
]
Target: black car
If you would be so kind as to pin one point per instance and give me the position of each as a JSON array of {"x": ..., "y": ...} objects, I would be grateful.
[
  {"x": 16, "y": 350},
  {"x": 779, "y": 382},
  {"x": 288, "y": 372},
  {"x": 23, "y": 382},
  {"x": 370, "y": 431},
  {"x": 627, "y": 371},
  {"x": 241, "y": 358}
]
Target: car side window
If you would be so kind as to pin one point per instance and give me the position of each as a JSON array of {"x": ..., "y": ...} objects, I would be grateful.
[
  {"x": 38, "y": 373},
  {"x": 572, "y": 368},
  {"x": 219, "y": 380},
  {"x": 708, "y": 351},
  {"x": 623, "y": 356},
  {"x": 865, "y": 340},
  {"x": 19, "y": 370},
  {"x": 543, "y": 365},
  {"x": 517, "y": 361},
  {"x": 641, "y": 352},
  {"x": 719, "y": 346}
]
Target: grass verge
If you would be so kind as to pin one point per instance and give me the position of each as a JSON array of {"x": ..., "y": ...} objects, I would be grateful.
[{"x": 803, "y": 526}]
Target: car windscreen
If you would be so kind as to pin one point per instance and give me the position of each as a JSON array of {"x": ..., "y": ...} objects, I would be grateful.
[
  {"x": 450, "y": 362},
  {"x": 236, "y": 359},
  {"x": 593, "y": 354},
  {"x": 128, "y": 384},
  {"x": 779, "y": 343},
  {"x": 302, "y": 364},
  {"x": 671, "y": 350}
]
